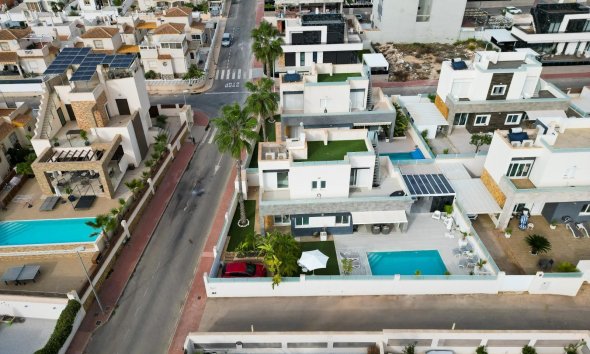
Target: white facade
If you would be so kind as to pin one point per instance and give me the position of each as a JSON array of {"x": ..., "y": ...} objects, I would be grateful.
[{"x": 411, "y": 21}]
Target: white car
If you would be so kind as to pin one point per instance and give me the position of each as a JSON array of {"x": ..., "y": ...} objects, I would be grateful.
[{"x": 513, "y": 10}]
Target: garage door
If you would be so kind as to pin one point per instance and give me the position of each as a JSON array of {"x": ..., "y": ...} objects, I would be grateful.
[{"x": 293, "y": 100}]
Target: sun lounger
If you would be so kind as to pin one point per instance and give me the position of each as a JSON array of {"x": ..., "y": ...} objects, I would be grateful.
[
  {"x": 11, "y": 274},
  {"x": 576, "y": 232},
  {"x": 463, "y": 263},
  {"x": 580, "y": 226},
  {"x": 85, "y": 202},
  {"x": 49, "y": 203},
  {"x": 351, "y": 256},
  {"x": 29, "y": 272},
  {"x": 457, "y": 252}
]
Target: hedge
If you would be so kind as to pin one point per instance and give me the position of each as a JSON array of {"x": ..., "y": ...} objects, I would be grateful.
[{"x": 62, "y": 329}]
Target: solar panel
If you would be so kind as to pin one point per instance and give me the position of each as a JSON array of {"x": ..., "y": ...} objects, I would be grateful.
[
  {"x": 87, "y": 62},
  {"x": 428, "y": 185}
]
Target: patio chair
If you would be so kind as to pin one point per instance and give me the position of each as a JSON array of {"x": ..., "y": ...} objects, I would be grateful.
[
  {"x": 349, "y": 256},
  {"x": 574, "y": 229},
  {"x": 463, "y": 263},
  {"x": 437, "y": 215},
  {"x": 582, "y": 229},
  {"x": 457, "y": 252}
]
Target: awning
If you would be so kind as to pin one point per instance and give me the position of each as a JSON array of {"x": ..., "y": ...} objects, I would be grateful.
[
  {"x": 379, "y": 217},
  {"x": 128, "y": 48},
  {"x": 453, "y": 170},
  {"x": 426, "y": 114},
  {"x": 428, "y": 185},
  {"x": 375, "y": 60},
  {"x": 500, "y": 35},
  {"x": 147, "y": 25},
  {"x": 534, "y": 115},
  {"x": 474, "y": 197}
]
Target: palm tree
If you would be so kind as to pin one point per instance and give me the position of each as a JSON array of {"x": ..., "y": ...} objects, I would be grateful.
[
  {"x": 262, "y": 101},
  {"x": 538, "y": 244},
  {"x": 105, "y": 223},
  {"x": 135, "y": 186},
  {"x": 235, "y": 132},
  {"x": 266, "y": 45}
]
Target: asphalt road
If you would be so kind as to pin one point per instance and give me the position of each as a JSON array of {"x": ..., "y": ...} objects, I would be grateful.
[
  {"x": 149, "y": 309},
  {"x": 374, "y": 313}
]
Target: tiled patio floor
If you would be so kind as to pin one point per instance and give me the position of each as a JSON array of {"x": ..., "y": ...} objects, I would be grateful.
[
  {"x": 457, "y": 143},
  {"x": 424, "y": 233},
  {"x": 564, "y": 247}
]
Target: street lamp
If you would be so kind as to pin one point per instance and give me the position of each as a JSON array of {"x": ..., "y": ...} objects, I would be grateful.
[{"x": 78, "y": 250}]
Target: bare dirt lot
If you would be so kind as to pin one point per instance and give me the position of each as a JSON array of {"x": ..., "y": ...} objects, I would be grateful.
[{"x": 422, "y": 61}]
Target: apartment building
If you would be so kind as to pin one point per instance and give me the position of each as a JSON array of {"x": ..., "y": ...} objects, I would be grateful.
[
  {"x": 329, "y": 180},
  {"x": 103, "y": 96},
  {"x": 542, "y": 169},
  {"x": 495, "y": 90},
  {"x": 333, "y": 96},
  {"x": 560, "y": 33},
  {"x": 23, "y": 53},
  {"x": 409, "y": 21},
  {"x": 317, "y": 33}
]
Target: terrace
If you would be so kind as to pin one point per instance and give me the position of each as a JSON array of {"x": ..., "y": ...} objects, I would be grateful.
[
  {"x": 337, "y": 77},
  {"x": 26, "y": 337},
  {"x": 334, "y": 150}
]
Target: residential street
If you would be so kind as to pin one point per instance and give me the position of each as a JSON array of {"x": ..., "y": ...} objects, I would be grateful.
[
  {"x": 369, "y": 313},
  {"x": 148, "y": 311}
]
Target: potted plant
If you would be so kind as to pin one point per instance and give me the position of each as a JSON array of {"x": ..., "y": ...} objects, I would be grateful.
[
  {"x": 55, "y": 141},
  {"x": 448, "y": 209},
  {"x": 529, "y": 350},
  {"x": 538, "y": 244},
  {"x": 508, "y": 232},
  {"x": 572, "y": 348},
  {"x": 347, "y": 266},
  {"x": 84, "y": 136},
  {"x": 481, "y": 263},
  {"x": 553, "y": 224},
  {"x": 68, "y": 190}
]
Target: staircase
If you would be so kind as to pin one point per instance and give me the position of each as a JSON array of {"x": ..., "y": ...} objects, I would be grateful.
[
  {"x": 45, "y": 116},
  {"x": 370, "y": 97},
  {"x": 376, "y": 172}
]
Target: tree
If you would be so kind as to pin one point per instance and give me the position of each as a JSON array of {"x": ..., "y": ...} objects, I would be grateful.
[
  {"x": 105, "y": 223},
  {"x": 479, "y": 140},
  {"x": 266, "y": 45},
  {"x": 24, "y": 168},
  {"x": 572, "y": 348},
  {"x": 401, "y": 122},
  {"x": 262, "y": 100},
  {"x": 538, "y": 244},
  {"x": 193, "y": 73},
  {"x": 280, "y": 252},
  {"x": 235, "y": 134},
  {"x": 151, "y": 75},
  {"x": 135, "y": 186},
  {"x": 481, "y": 350},
  {"x": 529, "y": 350}
]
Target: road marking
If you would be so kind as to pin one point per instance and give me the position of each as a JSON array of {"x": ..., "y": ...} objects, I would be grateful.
[
  {"x": 217, "y": 75},
  {"x": 239, "y": 74},
  {"x": 218, "y": 165},
  {"x": 212, "y": 135},
  {"x": 225, "y": 93},
  {"x": 233, "y": 75}
]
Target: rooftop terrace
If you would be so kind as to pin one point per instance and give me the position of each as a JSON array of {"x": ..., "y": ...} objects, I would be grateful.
[
  {"x": 334, "y": 151},
  {"x": 573, "y": 139},
  {"x": 339, "y": 77}
]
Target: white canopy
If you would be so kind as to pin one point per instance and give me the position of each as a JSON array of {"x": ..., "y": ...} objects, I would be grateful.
[
  {"x": 534, "y": 115},
  {"x": 312, "y": 260},
  {"x": 379, "y": 217},
  {"x": 375, "y": 60},
  {"x": 475, "y": 197},
  {"x": 454, "y": 170},
  {"x": 426, "y": 113}
]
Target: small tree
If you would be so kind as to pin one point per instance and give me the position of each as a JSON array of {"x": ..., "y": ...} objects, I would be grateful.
[
  {"x": 280, "y": 252},
  {"x": 193, "y": 73},
  {"x": 478, "y": 140},
  {"x": 135, "y": 186},
  {"x": 538, "y": 244},
  {"x": 401, "y": 122},
  {"x": 527, "y": 349},
  {"x": 572, "y": 348},
  {"x": 481, "y": 350},
  {"x": 409, "y": 349},
  {"x": 161, "y": 121},
  {"x": 105, "y": 223},
  {"x": 151, "y": 75},
  {"x": 346, "y": 266}
]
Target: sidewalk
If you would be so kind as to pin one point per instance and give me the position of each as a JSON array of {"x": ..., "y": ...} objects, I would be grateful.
[{"x": 114, "y": 286}]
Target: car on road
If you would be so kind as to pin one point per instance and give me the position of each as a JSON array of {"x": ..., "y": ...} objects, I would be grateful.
[
  {"x": 226, "y": 40},
  {"x": 512, "y": 10},
  {"x": 243, "y": 270}
]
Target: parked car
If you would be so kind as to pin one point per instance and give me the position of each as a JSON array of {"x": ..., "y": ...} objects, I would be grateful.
[
  {"x": 512, "y": 10},
  {"x": 226, "y": 40},
  {"x": 243, "y": 270}
]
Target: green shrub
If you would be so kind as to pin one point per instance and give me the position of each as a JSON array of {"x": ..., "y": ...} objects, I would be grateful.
[
  {"x": 481, "y": 350},
  {"x": 448, "y": 209},
  {"x": 528, "y": 350},
  {"x": 566, "y": 267},
  {"x": 151, "y": 75},
  {"x": 409, "y": 349},
  {"x": 62, "y": 329}
]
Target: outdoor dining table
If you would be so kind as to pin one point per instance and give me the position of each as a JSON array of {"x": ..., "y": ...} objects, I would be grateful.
[{"x": 11, "y": 274}]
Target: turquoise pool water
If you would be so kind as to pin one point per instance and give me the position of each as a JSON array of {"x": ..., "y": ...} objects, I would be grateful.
[
  {"x": 406, "y": 263},
  {"x": 35, "y": 232},
  {"x": 410, "y": 155}
]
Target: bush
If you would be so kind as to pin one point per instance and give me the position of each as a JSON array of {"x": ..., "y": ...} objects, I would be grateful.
[
  {"x": 24, "y": 168},
  {"x": 193, "y": 73},
  {"x": 409, "y": 349},
  {"x": 151, "y": 75},
  {"x": 528, "y": 350},
  {"x": 62, "y": 329},
  {"x": 481, "y": 350},
  {"x": 401, "y": 122},
  {"x": 566, "y": 267},
  {"x": 117, "y": 2}
]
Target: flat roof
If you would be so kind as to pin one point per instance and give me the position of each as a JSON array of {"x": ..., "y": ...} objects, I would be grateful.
[
  {"x": 500, "y": 35},
  {"x": 534, "y": 115},
  {"x": 573, "y": 138},
  {"x": 582, "y": 103},
  {"x": 375, "y": 60},
  {"x": 475, "y": 197},
  {"x": 426, "y": 113}
]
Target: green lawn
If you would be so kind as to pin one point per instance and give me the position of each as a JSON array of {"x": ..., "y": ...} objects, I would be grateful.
[
  {"x": 335, "y": 150},
  {"x": 271, "y": 136},
  {"x": 336, "y": 77},
  {"x": 237, "y": 233},
  {"x": 327, "y": 248}
]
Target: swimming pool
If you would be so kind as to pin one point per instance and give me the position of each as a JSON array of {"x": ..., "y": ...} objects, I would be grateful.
[
  {"x": 36, "y": 232},
  {"x": 410, "y": 155},
  {"x": 406, "y": 263}
]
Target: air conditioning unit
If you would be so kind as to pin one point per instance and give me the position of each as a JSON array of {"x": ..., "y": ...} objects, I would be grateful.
[
  {"x": 323, "y": 236},
  {"x": 282, "y": 155},
  {"x": 269, "y": 156}
]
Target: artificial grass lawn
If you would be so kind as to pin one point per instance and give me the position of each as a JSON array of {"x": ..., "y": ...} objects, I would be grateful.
[
  {"x": 236, "y": 233},
  {"x": 270, "y": 135},
  {"x": 327, "y": 248},
  {"x": 335, "y": 150},
  {"x": 336, "y": 77}
]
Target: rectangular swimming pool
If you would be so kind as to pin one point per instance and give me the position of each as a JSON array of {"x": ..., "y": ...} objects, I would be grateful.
[
  {"x": 409, "y": 155},
  {"x": 53, "y": 231},
  {"x": 406, "y": 263}
]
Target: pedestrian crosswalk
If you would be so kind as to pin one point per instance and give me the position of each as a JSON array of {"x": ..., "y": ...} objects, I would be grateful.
[{"x": 233, "y": 74}]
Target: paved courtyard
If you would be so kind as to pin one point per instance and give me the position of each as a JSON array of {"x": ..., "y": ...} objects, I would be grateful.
[
  {"x": 457, "y": 143},
  {"x": 26, "y": 337}
]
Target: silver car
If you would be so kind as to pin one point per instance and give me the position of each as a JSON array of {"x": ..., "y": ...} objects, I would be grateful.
[{"x": 226, "y": 40}]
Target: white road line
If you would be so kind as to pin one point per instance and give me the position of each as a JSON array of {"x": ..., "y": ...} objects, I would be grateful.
[
  {"x": 222, "y": 73},
  {"x": 212, "y": 136},
  {"x": 216, "y": 74},
  {"x": 233, "y": 75},
  {"x": 239, "y": 74}
]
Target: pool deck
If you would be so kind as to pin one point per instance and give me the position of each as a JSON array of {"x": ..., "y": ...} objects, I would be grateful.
[{"x": 424, "y": 233}]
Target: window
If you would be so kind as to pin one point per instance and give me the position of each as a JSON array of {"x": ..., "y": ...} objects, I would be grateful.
[
  {"x": 98, "y": 44},
  {"x": 585, "y": 209},
  {"x": 282, "y": 179},
  {"x": 302, "y": 220},
  {"x": 461, "y": 118},
  {"x": 171, "y": 45},
  {"x": 513, "y": 118},
  {"x": 342, "y": 220},
  {"x": 481, "y": 119},
  {"x": 499, "y": 90},
  {"x": 315, "y": 57},
  {"x": 424, "y": 8},
  {"x": 322, "y": 184},
  {"x": 520, "y": 168},
  {"x": 301, "y": 59},
  {"x": 4, "y": 46},
  {"x": 282, "y": 220}
]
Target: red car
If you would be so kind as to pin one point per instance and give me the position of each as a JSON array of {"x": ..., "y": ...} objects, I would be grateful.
[{"x": 243, "y": 270}]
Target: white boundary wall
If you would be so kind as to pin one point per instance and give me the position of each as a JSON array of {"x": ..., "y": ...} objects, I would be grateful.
[
  {"x": 388, "y": 341},
  {"x": 32, "y": 306}
]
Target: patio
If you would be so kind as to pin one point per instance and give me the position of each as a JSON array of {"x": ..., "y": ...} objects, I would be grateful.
[
  {"x": 404, "y": 144},
  {"x": 514, "y": 253},
  {"x": 424, "y": 233},
  {"x": 457, "y": 143}
]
